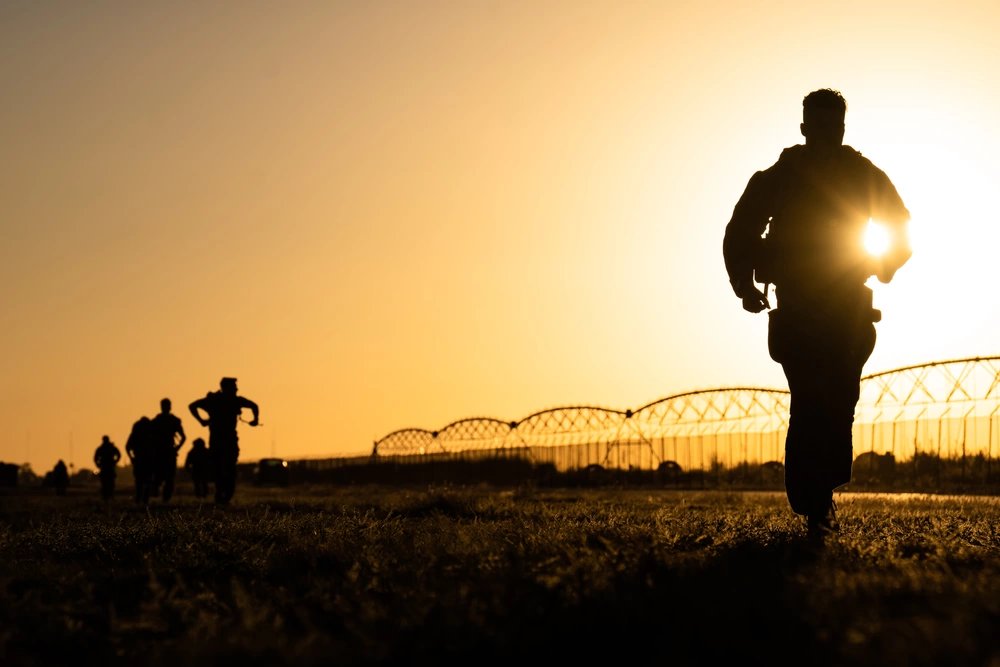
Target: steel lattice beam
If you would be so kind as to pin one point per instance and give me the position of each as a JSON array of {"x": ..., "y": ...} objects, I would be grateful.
[{"x": 924, "y": 396}]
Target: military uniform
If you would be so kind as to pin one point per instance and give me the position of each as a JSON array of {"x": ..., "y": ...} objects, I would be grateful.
[
  {"x": 106, "y": 459},
  {"x": 224, "y": 409},
  {"x": 198, "y": 463},
  {"x": 60, "y": 478},
  {"x": 814, "y": 207},
  {"x": 164, "y": 428},
  {"x": 140, "y": 450}
]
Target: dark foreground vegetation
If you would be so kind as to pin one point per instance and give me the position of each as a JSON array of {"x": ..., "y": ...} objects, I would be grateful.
[
  {"x": 485, "y": 575},
  {"x": 923, "y": 473}
]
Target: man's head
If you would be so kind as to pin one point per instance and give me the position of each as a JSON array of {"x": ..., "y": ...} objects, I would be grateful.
[
  {"x": 228, "y": 385},
  {"x": 823, "y": 114},
  {"x": 165, "y": 405},
  {"x": 199, "y": 443}
]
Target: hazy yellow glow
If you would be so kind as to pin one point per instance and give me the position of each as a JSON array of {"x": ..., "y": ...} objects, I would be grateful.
[
  {"x": 389, "y": 215},
  {"x": 876, "y": 239}
]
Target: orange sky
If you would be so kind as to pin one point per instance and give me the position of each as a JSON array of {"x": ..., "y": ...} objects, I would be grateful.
[{"x": 382, "y": 215}]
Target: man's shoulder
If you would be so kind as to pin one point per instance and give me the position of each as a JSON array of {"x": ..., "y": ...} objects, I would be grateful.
[
  {"x": 859, "y": 160},
  {"x": 789, "y": 160},
  {"x": 790, "y": 156},
  {"x": 210, "y": 398},
  {"x": 794, "y": 158}
]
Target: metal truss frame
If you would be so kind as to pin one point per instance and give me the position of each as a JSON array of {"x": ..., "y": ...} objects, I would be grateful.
[{"x": 924, "y": 393}]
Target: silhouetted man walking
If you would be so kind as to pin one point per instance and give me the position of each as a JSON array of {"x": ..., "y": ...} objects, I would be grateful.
[
  {"x": 224, "y": 408},
  {"x": 815, "y": 204},
  {"x": 168, "y": 438},
  {"x": 60, "y": 478},
  {"x": 106, "y": 458},
  {"x": 139, "y": 448},
  {"x": 199, "y": 463}
]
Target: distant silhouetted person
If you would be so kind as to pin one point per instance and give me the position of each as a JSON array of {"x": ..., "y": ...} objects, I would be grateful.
[
  {"x": 168, "y": 438},
  {"x": 60, "y": 478},
  {"x": 814, "y": 204},
  {"x": 199, "y": 464},
  {"x": 224, "y": 408},
  {"x": 140, "y": 450},
  {"x": 106, "y": 459}
]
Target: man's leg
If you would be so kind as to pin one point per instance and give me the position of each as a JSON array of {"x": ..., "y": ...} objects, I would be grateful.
[
  {"x": 140, "y": 485},
  {"x": 169, "y": 474},
  {"x": 230, "y": 489},
  {"x": 154, "y": 480},
  {"x": 147, "y": 485},
  {"x": 818, "y": 448},
  {"x": 220, "y": 477},
  {"x": 824, "y": 377},
  {"x": 225, "y": 468},
  {"x": 232, "y": 472}
]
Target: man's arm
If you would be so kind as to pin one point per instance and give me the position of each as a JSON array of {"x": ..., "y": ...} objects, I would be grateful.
[
  {"x": 196, "y": 405},
  {"x": 742, "y": 243},
  {"x": 180, "y": 430},
  {"x": 247, "y": 403},
  {"x": 887, "y": 208}
]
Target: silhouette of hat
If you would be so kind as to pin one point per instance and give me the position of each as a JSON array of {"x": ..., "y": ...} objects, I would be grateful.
[{"x": 227, "y": 380}]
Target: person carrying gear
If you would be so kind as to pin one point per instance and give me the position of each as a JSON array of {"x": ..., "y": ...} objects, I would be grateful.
[
  {"x": 224, "y": 408},
  {"x": 799, "y": 225},
  {"x": 106, "y": 459},
  {"x": 139, "y": 448},
  {"x": 168, "y": 438},
  {"x": 60, "y": 477},
  {"x": 199, "y": 464}
]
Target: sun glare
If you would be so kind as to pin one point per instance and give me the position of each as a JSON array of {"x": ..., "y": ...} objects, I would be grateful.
[{"x": 876, "y": 239}]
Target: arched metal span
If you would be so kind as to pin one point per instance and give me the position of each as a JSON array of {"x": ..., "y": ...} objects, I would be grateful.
[
  {"x": 474, "y": 433},
  {"x": 950, "y": 408},
  {"x": 406, "y": 441},
  {"x": 946, "y": 408}
]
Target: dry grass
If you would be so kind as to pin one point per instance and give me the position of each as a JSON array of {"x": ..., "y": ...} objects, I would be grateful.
[{"x": 365, "y": 575}]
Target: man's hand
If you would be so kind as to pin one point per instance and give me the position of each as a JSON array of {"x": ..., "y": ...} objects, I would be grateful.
[{"x": 754, "y": 300}]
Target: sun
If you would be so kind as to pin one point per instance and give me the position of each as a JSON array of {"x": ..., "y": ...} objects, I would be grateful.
[
  {"x": 876, "y": 239},
  {"x": 938, "y": 304}
]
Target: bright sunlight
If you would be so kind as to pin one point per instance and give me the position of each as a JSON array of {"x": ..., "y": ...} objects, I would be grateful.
[{"x": 876, "y": 239}]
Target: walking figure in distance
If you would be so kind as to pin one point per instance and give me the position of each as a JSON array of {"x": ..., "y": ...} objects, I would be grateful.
[
  {"x": 814, "y": 205},
  {"x": 199, "y": 464},
  {"x": 139, "y": 448},
  {"x": 168, "y": 438},
  {"x": 60, "y": 477},
  {"x": 224, "y": 408},
  {"x": 106, "y": 458}
]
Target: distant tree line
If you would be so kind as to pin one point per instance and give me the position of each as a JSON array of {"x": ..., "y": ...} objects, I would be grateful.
[
  {"x": 923, "y": 473},
  {"x": 872, "y": 472}
]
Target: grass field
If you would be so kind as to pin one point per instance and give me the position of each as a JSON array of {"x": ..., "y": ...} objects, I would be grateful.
[{"x": 476, "y": 575}]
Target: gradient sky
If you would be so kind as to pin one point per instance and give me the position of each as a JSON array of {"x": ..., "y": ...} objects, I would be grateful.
[{"x": 381, "y": 215}]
